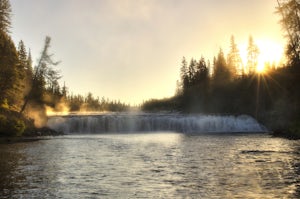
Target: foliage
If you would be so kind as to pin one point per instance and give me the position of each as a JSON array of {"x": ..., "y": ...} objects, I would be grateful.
[
  {"x": 234, "y": 59},
  {"x": 11, "y": 123},
  {"x": 167, "y": 104},
  {"x": 44, "y": 74},
  {"x": 5, "y": 15},
  {"x": 90, "y": 103},
  {"x": 222, "y": 73},
  {"x": 252, "y": 56},
  {"x": 25, "y": 69},
  {"x": 290, "y": 20},
  {"x": 4, "y": 105},
  {"x": 9, "y": 76}
]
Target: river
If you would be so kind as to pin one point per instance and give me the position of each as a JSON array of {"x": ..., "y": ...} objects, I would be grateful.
[{"x": 152, "y": 165}]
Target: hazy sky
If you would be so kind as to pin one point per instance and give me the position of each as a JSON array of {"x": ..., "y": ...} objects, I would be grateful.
[{"x": 131, "y": 49}]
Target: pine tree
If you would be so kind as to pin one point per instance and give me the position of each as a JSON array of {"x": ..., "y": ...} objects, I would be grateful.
[
  {"x": 290, "y": 13},
  {"x": 8, "y": 57},
  {"x": 28, "y": 68},
  {"x": 252, "y": 56},
  {"x": 192, "y": 72},
  {"x": 22, "y": 54},
  {"x": 8, "y": 70},
  {"x": 22, "y": 73},
  {"x": 64, "y": 90},
  {"x": 202, "y": 79},
  {"x": 184, "y": 74},
  {"x": 5, "y": 16},
  {"x": 202, "y": 71},
  {"x": 234, "y": 59},
  {"x": 44, "y": 74},
  {"x": 28, "y": 74},
  {"x": 221, "y": 73}
]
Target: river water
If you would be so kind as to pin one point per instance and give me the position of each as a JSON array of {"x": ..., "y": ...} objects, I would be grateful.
[{"x": 152, "y": 165}]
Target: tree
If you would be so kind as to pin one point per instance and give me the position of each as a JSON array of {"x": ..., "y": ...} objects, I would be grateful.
[
  {"x": 221, "y": 72},
  {"x": 23, "y": 73},
  {"x": 45, "y": 67},
  {"x": 192, "y": 70},
  {"x": 64, "y": 90},
  {"x": 43, "y": 73},
  {"x": 5, "y": 16},
  {"x": 29, "y": 72},
  {"x": 22, "y": 54},
  {"x": 8, "y": 68},
  {"x": 184, "y": 74},
  {"x": 8, "y": 57},
  {"x": 252, "y": 56},
  {"x": 202, "y": 72},
  {"x": 25, "y": 62},
  {"x": 234, "y": 59},
  {"x": 290, "y": 13}
]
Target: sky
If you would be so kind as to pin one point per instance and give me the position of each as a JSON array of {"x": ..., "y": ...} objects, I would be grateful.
[{"x": 131, "y": 50}]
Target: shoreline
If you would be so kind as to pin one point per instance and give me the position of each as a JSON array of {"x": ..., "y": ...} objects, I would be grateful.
[
  {"x": 285, "y": 135},
  {"x": 32, "y": 136},
  {"x": 22, "y": 139}
]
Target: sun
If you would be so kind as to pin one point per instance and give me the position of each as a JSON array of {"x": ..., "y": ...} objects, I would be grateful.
[
  {"x": 271, "y": 52},
  {"x": 261, "y": 68}
]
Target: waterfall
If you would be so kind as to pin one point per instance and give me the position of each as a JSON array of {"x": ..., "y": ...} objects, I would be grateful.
[{"x": 147, "y": 122}]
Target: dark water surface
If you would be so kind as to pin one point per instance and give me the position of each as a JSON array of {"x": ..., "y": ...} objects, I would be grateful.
[{"x": 154, "y": 165}]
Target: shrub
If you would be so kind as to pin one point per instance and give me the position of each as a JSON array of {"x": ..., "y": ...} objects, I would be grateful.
[{"x": 11, "y": 125}]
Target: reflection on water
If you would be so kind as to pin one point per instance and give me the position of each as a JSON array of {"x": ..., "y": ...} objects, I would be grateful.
[
  {"x": 166, "y": 165},
  {"x": 9, "y": 160}
]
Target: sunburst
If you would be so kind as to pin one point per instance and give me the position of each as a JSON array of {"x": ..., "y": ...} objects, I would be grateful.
[{"x": 269, "y": 52}]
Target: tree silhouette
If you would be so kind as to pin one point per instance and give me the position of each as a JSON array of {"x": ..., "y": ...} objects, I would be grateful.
[
  {"x": 43, "y": 73},
  {"x": 290, "y": 12},
  {"x": 234, "y": 59},
  {"x": 184, "y": 74},
  {"x": 252, "y": 56},
  {"x": 221, "y": 73}
]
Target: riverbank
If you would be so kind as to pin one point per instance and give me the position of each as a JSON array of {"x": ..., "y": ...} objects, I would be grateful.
[
  {"x": 289, "y": 129},
  {"x": 12, "y": 140},
  {"x": 44, "y": 131},
  {"x": 32, "y": 136},
  {"x": 286, "y": 135}
]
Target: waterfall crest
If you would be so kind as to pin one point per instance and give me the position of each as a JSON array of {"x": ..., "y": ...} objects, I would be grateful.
[{"x": 147, "y": 122}]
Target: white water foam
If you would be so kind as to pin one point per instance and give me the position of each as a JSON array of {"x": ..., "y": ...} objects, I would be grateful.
[{"x": 147, "y": 122}]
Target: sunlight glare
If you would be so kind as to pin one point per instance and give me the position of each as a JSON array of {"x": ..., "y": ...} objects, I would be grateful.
[
  {"x": 269, "y": 52},
  {"x": 261, "y": 68}
]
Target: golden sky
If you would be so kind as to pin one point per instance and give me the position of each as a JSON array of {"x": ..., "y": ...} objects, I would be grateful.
[{"x": 132, "y": 49}]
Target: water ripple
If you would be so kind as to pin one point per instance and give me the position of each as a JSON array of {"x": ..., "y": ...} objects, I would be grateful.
[{"x": 161, "y": 165}]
